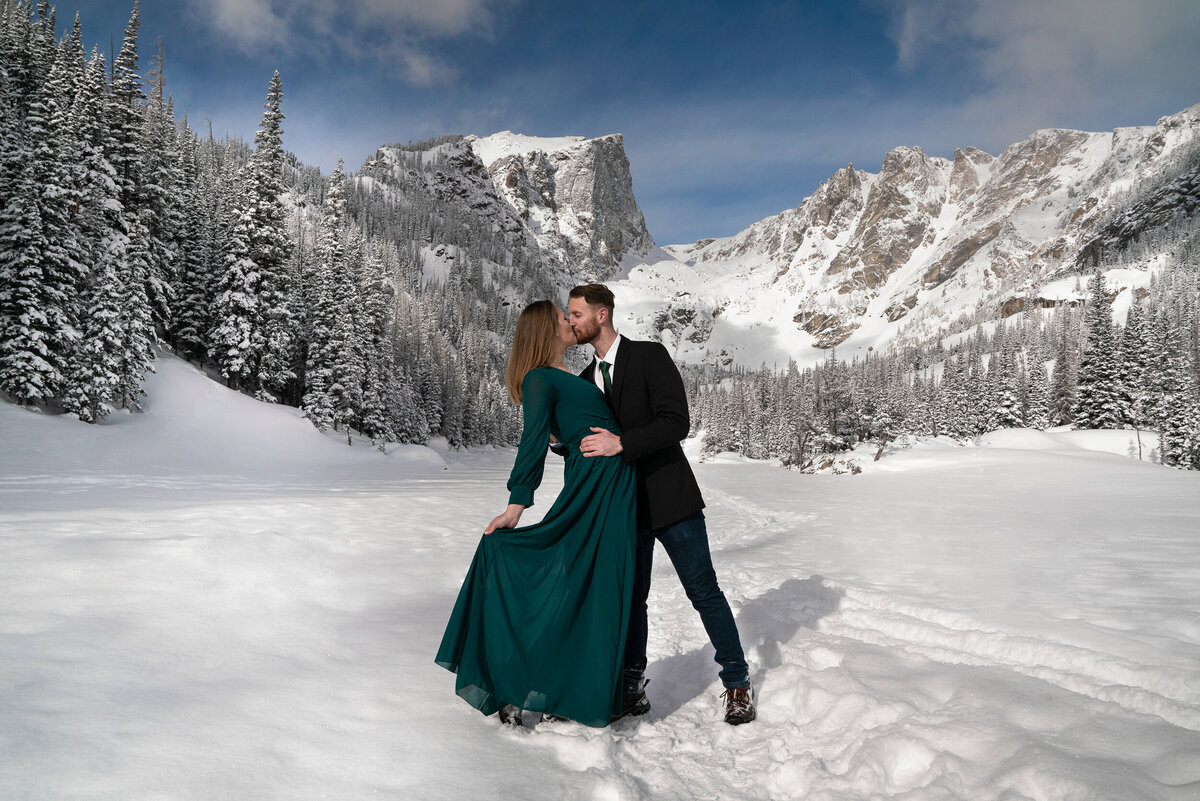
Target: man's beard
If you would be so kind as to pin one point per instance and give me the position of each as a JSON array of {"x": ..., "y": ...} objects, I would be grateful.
[{"x": 584, "y": 334}]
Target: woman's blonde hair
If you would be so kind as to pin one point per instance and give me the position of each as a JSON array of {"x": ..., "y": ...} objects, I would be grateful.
[{"x": 534, "y": 344}]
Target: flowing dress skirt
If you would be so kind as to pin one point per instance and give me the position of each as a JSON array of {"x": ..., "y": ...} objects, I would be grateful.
[{"x": 541, "y": 618}]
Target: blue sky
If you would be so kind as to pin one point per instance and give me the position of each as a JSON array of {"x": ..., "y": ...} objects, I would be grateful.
[{"x": 731, "y": 111}]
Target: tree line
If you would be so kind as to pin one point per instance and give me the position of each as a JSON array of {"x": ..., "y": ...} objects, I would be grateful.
[{"x": 1045, "y": 367}]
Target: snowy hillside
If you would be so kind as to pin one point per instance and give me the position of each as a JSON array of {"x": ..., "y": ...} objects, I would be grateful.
[
  {"x": 212, "y": 600},
  {"x": 897, "y": 256}
]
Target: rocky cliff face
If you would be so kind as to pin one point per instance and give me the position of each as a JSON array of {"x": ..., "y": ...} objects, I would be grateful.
[
  {"x": 870, "y": 258},
  {"x": 575, "y": 194},
  {"x": 565, "y": 204}
]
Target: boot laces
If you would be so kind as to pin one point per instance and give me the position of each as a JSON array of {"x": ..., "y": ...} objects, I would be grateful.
[{"x": 737, "y": 699}]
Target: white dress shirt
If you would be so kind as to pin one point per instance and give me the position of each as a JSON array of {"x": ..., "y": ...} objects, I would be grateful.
[{"x": 611, "y": 358}]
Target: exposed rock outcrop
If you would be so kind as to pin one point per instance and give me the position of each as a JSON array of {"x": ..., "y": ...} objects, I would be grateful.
[{"x": 575, "y": 194}]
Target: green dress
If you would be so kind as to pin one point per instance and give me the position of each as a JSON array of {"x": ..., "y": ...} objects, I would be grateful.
[{"x": 541, "y": 618}]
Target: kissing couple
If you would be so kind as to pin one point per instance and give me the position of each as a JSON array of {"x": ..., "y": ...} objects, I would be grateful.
[{"x": 552, "y": 617}]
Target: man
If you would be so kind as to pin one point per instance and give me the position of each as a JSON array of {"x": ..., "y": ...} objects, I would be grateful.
[{"x": 645, "y": 391}]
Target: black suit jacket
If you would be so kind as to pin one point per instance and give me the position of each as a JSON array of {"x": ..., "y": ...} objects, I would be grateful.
[{"x": 650, "y": 404}]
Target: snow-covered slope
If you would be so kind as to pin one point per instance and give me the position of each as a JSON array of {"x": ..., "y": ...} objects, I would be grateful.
[
  {"x": 211, "y": 600},
  {"x": 870, "y": 258}
]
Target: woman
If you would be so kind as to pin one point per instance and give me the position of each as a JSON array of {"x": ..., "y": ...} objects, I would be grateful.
[{"x": 541, "y": 618}]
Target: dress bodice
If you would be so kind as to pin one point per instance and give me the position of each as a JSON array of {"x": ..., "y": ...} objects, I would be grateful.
[{"x": 555, "y": 402}]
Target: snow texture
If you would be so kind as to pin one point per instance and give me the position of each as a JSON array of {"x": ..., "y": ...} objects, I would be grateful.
[{"x": 212, "y": 600}]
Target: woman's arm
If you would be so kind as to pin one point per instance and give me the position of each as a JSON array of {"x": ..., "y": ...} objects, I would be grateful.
[{"x": 537, "y": 401}]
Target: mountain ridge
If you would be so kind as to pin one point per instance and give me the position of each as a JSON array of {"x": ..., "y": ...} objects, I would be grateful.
[
  {"x": 870, "y": 258},
  {"x": 867, "y": 261}
]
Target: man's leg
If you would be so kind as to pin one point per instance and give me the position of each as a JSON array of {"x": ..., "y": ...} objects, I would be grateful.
[
  {"x": 686, "y": 543},
  {"x": 633, "y": 681}
]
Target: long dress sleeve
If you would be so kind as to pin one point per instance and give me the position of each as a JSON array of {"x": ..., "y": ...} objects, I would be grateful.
[{"x": 537, "y": 406}]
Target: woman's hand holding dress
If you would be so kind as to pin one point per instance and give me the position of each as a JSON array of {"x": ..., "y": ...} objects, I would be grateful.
[{"x": 509, "y": 519}]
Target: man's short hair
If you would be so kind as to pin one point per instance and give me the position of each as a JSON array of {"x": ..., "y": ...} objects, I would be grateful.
[{"x": 595, "y": 295}]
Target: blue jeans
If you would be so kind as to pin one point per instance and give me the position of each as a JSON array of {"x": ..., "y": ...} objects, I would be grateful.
[{"x": 686, "y": 543}]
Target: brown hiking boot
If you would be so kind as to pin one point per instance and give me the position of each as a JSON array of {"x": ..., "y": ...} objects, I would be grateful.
[{"x": 739, "y": 705}]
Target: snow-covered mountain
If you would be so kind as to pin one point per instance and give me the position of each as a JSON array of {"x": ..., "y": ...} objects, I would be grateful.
[
  {"x": 875, "y": 258},
  {"x": 566, "y": 203},
  {"x": 576, "y": 194}
]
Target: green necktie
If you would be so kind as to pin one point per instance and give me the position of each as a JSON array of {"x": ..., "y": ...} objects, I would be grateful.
[{"x": 607, "y": 381}]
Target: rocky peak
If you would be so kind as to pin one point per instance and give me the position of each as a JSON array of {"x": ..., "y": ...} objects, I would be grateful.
[
  {"x": 964, "y": 176},
  {"x": 830, "y": 199},
  {"x": 895, "y": 220},
  {"x": 575, "y": 194}
]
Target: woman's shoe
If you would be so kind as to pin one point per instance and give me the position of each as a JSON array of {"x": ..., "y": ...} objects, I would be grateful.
[
  {"x": 510, "y": 715},
  {"x": 633, "y": 700}
]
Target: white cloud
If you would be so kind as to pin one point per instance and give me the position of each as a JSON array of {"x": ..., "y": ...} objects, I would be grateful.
[
  {"x": 920, "y": 25},
  {"x": 397, "y": 33},
  {"x": 1058, "y": 63},
  {"x": 248, "y": 22},
  {"x": 443, "y": 18}
]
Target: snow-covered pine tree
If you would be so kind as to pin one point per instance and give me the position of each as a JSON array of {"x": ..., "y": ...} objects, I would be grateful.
[
  {"x": 1037, "y": 395},
  {"x": 123, "y": 114},
  {"x": 975, "y": 399},
  {"x": 94, "y": 380},
  {"x": 1133, "y": 355},
  {"x": 321, "y": 308},
  {"x": 408, "y": 419},
  {"x": 349, "y": 365},
  {"x": 274, "y": 332},
  {"x": 140, "y": 337},
  {"x": 192, "y": 293},
  {"x": 235, "y": 307},
  {"x": 1098, "y": 402},
  {"x": 454, "y": 403},
  {"x": 1006, "y": 412},
  {"x": 1062, "y": 389},
  {"x": 1179, "y": 423},
  {"x": 159, "y": 194},
  {"x": 833, "y": 402},
  {"x": 803, "y": 420},
  {"x": 75, "y": 55},
  {"x": 40, "y": 271},
  {"x": 430, "y": 385},
  {"x": 924, "y": 417},
  {"x": 373, "y": 327},
  {"x": 947, "y": 398}
]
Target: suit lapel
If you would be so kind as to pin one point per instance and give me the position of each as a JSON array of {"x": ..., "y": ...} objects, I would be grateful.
[{"x": 621, "y": 370}]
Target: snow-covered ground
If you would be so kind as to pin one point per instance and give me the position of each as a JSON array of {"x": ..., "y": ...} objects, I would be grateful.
[{"x": 213, "y": 601}]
